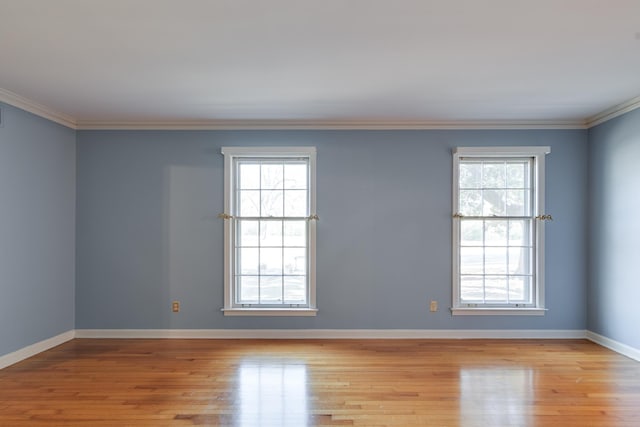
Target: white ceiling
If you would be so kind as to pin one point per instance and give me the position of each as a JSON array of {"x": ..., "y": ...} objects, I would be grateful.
[{"x": 338, "y": 61}]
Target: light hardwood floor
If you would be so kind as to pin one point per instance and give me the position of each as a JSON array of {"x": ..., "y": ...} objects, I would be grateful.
[{"x": 303, "y": 383}]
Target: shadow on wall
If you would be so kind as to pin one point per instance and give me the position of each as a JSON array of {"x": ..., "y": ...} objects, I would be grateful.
[{"x": 191, "y": 245}]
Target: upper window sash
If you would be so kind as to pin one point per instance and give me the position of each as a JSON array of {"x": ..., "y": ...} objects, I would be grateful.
[
  {"x": 513, "y": 183},
  {"x": 536, "y": 152},
  {"x": 233, "y": 153},
  {"x": 283, "y": 181}
]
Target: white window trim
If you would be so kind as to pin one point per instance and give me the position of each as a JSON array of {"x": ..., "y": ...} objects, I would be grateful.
[
  {"x": 538, "y": 153},
  {"x": 230, "y": 153}
]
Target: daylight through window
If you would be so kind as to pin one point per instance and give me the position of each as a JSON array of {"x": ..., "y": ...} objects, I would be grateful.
[
  {"x": 498, "y": 231},
  {"x": 271, "y": 230}
]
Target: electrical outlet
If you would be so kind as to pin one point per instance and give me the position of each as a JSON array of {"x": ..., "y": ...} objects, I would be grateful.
[
  {"x": 433, "y": 306},
  {"x": 175, "y": 306}
]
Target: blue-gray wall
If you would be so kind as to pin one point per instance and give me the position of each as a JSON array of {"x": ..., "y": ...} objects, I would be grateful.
[
  {"x": 614, "y": 229},
  {"x": 147, "y": 231},
  {"x": 37, "y": 229}
]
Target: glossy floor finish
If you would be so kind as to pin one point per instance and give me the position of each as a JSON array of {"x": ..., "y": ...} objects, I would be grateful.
[{"x": 302, "y": 383}]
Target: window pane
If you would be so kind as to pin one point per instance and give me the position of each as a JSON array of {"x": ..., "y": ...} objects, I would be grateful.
[
  {"x": 295, "y": 233},
  {"x": 295, "y": 203},
  {"x": 519, "y": 232},
  {"x": 471, "y": 289},
  {"x": 249, "y": 176},
  {"x": 271, "y": 203},
  {"x": 247, "y": 260},
  {"x": 493, "y": 175},
  {"x": 518, "y": 202},
  {"x": 494, "y": 202},
  {"x": 496, "y": 233},
  {"x": 270, "y": 261},
  {"x": 295, "y": 176},
  {"x": 270, "y": 289},
  {"x": 295, "y": 289},
  {"x": 516, "y": 174},
  {"x": 270, "y": 233},
  {"x": 272, "y": 176},
  {"x": 470, "y": 202},
  {"x": 495, "y": 260},
  {"x": 471, "y": 260},
  {"x": 495, "y": 289},
  {"x": 470, "y": 175},
  {"x": 295, "y": 261},
  {"x": 249, "y": 203},
  {"x": 471, "y": 232},
  {"x": 519, "y": 261},
  {"x": 247, "y": 233},
  {"x": 248, "y": 289},
  {"x": 520, "y": 289}
]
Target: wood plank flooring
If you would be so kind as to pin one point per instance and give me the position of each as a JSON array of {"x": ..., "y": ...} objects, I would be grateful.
[{"x": 303, "y": 383}]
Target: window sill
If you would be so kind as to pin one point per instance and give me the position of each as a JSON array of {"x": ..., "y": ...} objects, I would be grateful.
[
  {"x": 270, "y": 311},
  {"x": 498, "y": 311}
]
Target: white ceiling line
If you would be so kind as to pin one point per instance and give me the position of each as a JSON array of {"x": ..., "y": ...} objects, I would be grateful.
[
  {"x": 328, "y": 125},
  {"x": 613, "y": 112},
  {"x": 70, "y": 122},
  {"x": 38, "y": 109}
]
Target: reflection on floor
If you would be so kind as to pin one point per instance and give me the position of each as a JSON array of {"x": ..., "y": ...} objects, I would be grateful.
[
  {"x": 273, "y": 393},
  {"x": 501, "y": 397},
  {"x": 305, "y": 383}
]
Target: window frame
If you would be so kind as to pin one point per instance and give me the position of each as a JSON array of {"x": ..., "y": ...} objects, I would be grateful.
[
  {"x": 231, "y": 308},
  {"x": 537, "y": 154}
]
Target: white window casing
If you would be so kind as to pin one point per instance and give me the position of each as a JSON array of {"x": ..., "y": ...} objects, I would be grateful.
[
  {"x": 249, "y": 287},
  {"x": 493, "y": 284}
]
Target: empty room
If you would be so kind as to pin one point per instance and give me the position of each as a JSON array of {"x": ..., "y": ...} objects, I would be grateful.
[{"x": 341, "y": 212}]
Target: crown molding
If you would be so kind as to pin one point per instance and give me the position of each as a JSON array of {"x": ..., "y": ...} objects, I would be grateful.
[
  {"x": 329, "y": 125},
  {"x": 38, "y": 109},
  {"x": 33, "y": 107},
  {"x": 613, "y": 112}
]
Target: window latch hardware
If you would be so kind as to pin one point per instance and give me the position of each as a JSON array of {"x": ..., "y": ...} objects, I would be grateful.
[
  {"x": 458, "y": 215},
  {"x": 225, "y": 216},
  {"x": 545, "y": 217}
]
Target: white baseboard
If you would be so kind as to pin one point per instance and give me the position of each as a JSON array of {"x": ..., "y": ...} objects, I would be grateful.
[
  {"x": 332, "y": 333},
  {"x": 33, "y": 349},
  {"x": 614, "y": 345}
]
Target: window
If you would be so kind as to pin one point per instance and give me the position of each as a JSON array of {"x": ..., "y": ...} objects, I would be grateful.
[
  {"x": 498, "y": 230},
  {"x": 270, "y": 227}
]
